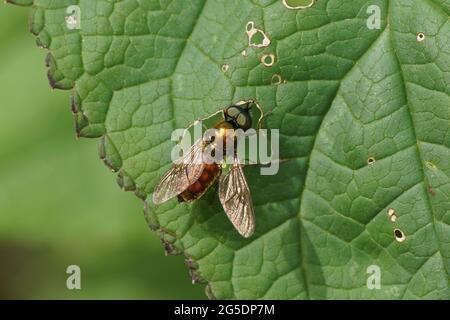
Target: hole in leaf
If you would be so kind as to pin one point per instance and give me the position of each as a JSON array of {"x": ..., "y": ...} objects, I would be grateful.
[
  {"x": 225, "y": 67},
  {"x": 250, "y": 26},
  {"x": 276, "y": 79},
  {"x": 268, "y": 60},
  {"x": 371, "y": 161},
  {"x": 399, "y": 235},
  {"x": 420, "y": 36},
  {"x": 298, "y": 4},
  {"x": 256, "y": 37}
]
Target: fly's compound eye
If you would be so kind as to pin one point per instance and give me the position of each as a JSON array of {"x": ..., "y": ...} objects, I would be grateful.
[
  {"x": 239, "y": 116},
  {"x": 232, "y": 112},
  {"x": 241, "y": 120}
]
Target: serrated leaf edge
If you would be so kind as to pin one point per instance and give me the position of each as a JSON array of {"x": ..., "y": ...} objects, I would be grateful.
[{"x": 125, "y": 182}]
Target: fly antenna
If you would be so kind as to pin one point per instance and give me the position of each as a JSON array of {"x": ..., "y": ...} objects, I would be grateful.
[
  {"x": 262, "y": 114},
  {"x": 199, "y": 120}
]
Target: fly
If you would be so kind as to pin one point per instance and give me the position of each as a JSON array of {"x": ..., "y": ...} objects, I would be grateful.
[{"x": 190, "y": 176}]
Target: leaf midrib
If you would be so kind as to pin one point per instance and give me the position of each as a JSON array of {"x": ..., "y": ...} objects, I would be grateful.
[
  {"x": 388, "y": 30},
  {"x": 422, "y": 160},
  {"x": 302, "y": 192}
]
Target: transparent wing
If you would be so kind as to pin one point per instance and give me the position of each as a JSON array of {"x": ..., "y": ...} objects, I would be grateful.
[
  {"x": 236, "y": 200},
  {"x": 184, "y": 172}
]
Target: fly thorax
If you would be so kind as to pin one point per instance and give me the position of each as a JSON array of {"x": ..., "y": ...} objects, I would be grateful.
[{"x": 225, "y": 138}]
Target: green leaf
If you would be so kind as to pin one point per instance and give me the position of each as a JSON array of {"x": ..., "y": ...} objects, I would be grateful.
[{"x": 363, "y": 117}]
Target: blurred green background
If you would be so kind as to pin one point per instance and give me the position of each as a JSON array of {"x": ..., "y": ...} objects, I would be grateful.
[{"x": 59, "y": 205}]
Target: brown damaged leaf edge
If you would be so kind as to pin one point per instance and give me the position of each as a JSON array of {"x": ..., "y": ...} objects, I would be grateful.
[
  {"x": 23, "y": 3},
  {"x": 80, "y": 120},
  {"x": 111, "y": 160},
  {"x": 55, "y": 77}
]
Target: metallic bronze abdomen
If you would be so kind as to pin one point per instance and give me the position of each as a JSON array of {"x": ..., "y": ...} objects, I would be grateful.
[{"x": 209, "y": 175}]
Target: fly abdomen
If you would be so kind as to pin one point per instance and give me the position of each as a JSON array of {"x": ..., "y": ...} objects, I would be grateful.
[{"x": 199, "y": 187}]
